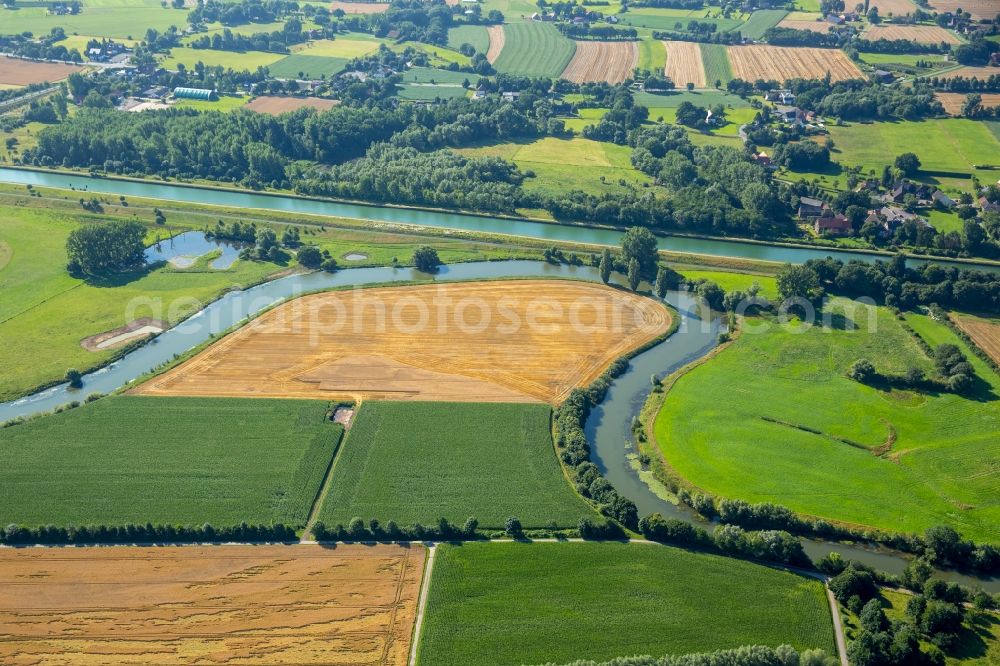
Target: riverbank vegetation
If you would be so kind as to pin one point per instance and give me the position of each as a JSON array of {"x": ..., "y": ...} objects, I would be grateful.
[
  {"x": 500, "y": 463},
  {"x": 508, "y": 604},
  {"x": 91, "y": 465}
]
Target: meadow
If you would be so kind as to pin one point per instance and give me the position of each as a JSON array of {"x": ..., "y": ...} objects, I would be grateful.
[
  {"x": 534, "y": 49},
  {"x": 108, "y": 18},
  {"x": 246, "y": 60},
  {"x": 431, "y": 92},
  {"x": 339, "y": 48},
  {"x": 417, "y": 462},
  {"x": 310, "y": 66},
  {"x": 949, "y": 146},
  {"x": 652, "y": 55},
  {"x": 657, "y": 18},
  {"x": 130, "y": 459},
  {"x": 504, "y": 604},
  {"x": 717, "y": 66},
  {"x": 761, "y": 21},
  {"x": 773, "y": 418},
  {"x": 475, "y": 35}
]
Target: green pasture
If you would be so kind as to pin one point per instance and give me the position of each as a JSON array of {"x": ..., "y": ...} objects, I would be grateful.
[
  {"x": 909, "y": 60},
  {"x": 431, "y": 92},
  {"x": 761, "y": 21},
  {"x": 439, "y": 76},
  {"x": 246, "y": 60},
  {"x": 179, "y": 461},
  {"x": 439, "y": 55},
  {"x": 586, "y": 117},
  {"x": 224, "y": 103},
  {"x": 716, "y": 62},
  {"x": 475, "y": 35},
  {"x": 505, "y": 604},
  {"x": 773, "y": 418},
  {"x": 705, "y": 98},
  {"x": 339, "y": 48},
  {"x": 313, "y": 67},
  {"x": 657, "y": 18},
  {"x": 563, "y": 165},
  {"x": 118, "y": 18},
  {"x": 944, "y": 145},
  {"x": 736, "y": 281},
  {"x": 534, "y": 49},
  {"x": 420, "y": 461}
]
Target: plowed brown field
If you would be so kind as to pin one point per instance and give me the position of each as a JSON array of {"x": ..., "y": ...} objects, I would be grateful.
[
  {"x": 780, "y": 63},
  {"x": 895, "y": 7},
  {"x": 496, "y": 42},
  {"x": 274, "y": 104},
  {"x": 612, "y": 62},
  {"x": 980, "y": 9},
  {"x": 221, "y": 604},
  {"x": 684, "y": 64},
  {"x": 953, "y": 102},
  {"x": 798, "y": 24},
  {"x": 986, "y": 334},
  {"x": 503, "y": 341},
  {"x": 17, "y": 72},
  {"x": 923, "y": 34}
]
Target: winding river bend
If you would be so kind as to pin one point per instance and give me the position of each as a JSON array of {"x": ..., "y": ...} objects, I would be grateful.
[
  {"x": 427, "y": 218},
  {"x": 608, "y": 427}
]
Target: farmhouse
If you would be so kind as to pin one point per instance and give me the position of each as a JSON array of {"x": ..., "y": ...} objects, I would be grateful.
[
  {"x": 883, "y": 76},
  {"x": 888, "y": 219},
  {"x": 943, "y": 200},
  {"x": 833, "y": 224},
  {"x": 811, "y": 208},
  {"x": 988, "y": 206}
]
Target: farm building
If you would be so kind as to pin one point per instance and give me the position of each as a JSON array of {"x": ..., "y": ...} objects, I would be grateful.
[
  {"x": 833, "y": 224},
  {"x": 195, "y": 93},
  {"x": 810, "y": 207}
]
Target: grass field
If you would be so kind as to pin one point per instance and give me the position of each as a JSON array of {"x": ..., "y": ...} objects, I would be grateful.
[
  {"x": 706, "y": 98},
  {"x": 943, "y": 449},
  {"x": 534, "y": 49},
  {"x": 131, "y": 459},
  {"x": 246, "y": 604},
  {"x": 109, "y": 18},
  {"x": 246, "y": 60},
  {"x": 898, "y": 58},
  {"x": 439, "y": 55},
  {"x": 430, "y": 92},
  {"x": 736, "y": 281},
  {"x": 761, "y": 21},
  {"x": 339, "y": 48},
  {"x": 432, "y": 75},
  {"x": 225, "y": 103},
  {"x": 652, "y": 55},
  {"x": 949, "y": 145},
  {"x": 310, "y": 66},
  {"x": 505, "y": 604},
  {"x": 506, "y": 347},
  {"x": 667, "y": 19},
  {"x": 563, "y": 165},
  {"x": 417, "y": 462},
  {"x": 716, "y": 61},
  {"x": 476, "y": 35}
]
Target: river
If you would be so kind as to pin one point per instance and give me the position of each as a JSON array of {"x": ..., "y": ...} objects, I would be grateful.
[
  {"x": 427, "y": 218},
  {"x": 608, "y": 427}
]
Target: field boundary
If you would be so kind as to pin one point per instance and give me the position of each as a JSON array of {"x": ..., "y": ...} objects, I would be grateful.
[
  {"x": 425, "y": 586},
  {"x": 324, "y": 487}
]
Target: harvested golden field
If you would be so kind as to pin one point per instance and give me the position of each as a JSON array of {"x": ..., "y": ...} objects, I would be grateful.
[
  {"x": 980, "y": 73},
  {"x": 684, "y": 64},
  {"x": 799, "y": 24},
  {"x": 985, "y": 333},
  {"x": 894, "y": 7},
  {"x": 496, "y": 42},
  {"x": 953, "y": 102},
  {"x": 612, "y": 62},
  {"x": 980, "y": 9},
  {"x": 780, "y": 63},
  {"x": 17, "y": 72},
  {"x": 923, "y": 34},
  {"x": 502, "y": 341},
  {"x": 359, "y": 7},
  {"x": 275, "y": 104},
  {"x": 209, "y": 604}
]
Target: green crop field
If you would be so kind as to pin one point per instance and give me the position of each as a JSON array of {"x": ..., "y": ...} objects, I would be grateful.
[
  {"x": 310, "y": 66},
  {"x": 246, "y": 60},
  {"x": 652, "y": 55},
  {"x": 432, "y": 75},
  {"x": 943, "y": 448},
  {"x": 475, "y": 35},
  {"x": 108, "y": 18},
  {"x": 430, "y": 92},
  {"x": 950, "y": 145},
  {"x": 419, "y": 461},
  {"x": 761, "y": 21},
  {"x": 512, "y": 603},
  {"x": 563, "y": 165},
  {"x": 716, "y": 62},
  {"x": 130, "y": 459},
  {"x": 534, "y": 49}
]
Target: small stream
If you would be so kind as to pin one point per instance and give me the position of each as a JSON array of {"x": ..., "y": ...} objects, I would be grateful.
[{"x": 608, "y": 427}]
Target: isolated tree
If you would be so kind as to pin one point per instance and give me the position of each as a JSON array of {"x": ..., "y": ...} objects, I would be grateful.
[
  {"x": 74, "y": 378},
  {"x": 640, "y": 244},
  {"x": 606, "y": 264},
  {"x": 907, "y": 163},
  {"x": 310, "y": 257},
  {"x": 108, "y": 247},
  {"x": 862, "y": 371},
  {"x": 662, "y": 279},
  {"x": 425, "y": 258},
  {"x": 633, "y": 274},
  {"x": 512, "y": 526}
]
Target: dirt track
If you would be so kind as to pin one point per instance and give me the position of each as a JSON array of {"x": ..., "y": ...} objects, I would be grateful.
[
  {"x": 17, "y": 72},
  {"x": 779, "y": 63},
  {"x": 502, "y": 341},
  {"x": 496, "y": 42},
  {"x": 924, "y": 34},
  {"x": 611, "y": 62},
  {"x": 214, "y": 604},
  {"x": 684, "y": 64}
]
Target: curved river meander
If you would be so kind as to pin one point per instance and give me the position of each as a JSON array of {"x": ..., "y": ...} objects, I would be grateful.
[{"x": 608, "y": 427}]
